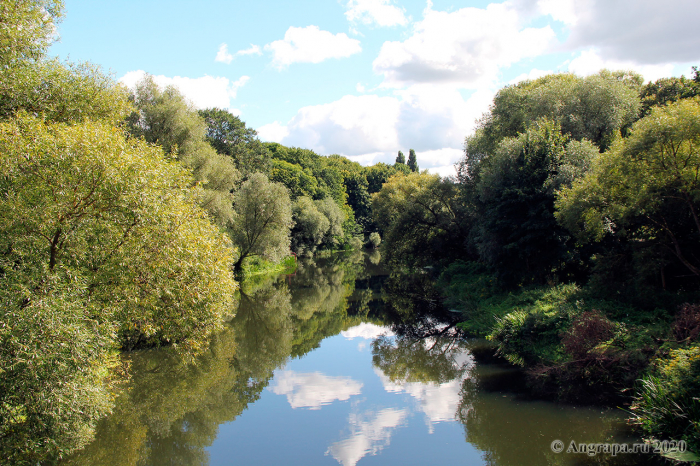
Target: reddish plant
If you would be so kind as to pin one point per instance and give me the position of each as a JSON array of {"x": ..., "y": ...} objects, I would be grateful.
[
  {"x": 587, "y": 331},
  {"x": 687, "y": 324}
]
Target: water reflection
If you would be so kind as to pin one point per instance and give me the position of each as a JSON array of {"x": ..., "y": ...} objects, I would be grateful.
[
  {"x": 369, "y": 433},
  {"x": 419, "y": 387},
  {"x": 313, "y": 390},
  {"x": 170, "y": 410}
]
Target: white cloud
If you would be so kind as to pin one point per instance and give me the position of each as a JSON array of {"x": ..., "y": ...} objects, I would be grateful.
[
  {"x": 352, "y": 125},
  {"x": 365, "y": 330},
  {"x": 273, "y": 132},
  {"x": 313, "y": 390},
  {"x": 204, "y": 92},
  {"x": 590, "y": 62},
  {"x": 562, "y": 10},
  {"x": 222, "y": 55},
  {"x": 252, "y": 50},
  {"x": 644, "y": 32},
  {"x": 311, "y": 45},
  {"x": 360, "y": 88},
  {"x": 432, "y": 120},
  {"x": 367, "y": 436},
  {"x": 465, "y": 48},
  {"x": 379, "y": 12}
]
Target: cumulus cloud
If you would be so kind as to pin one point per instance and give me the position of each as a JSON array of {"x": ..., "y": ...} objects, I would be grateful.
[
  {"x": 352, "y": 125},
  {"x": 432, "y": 120},
  {"x": 590, "y": 62},
  {"x": 204, "y": 92},
  {"x": 273, "y": 132},
  {"x": 464, "y": 48},
  {"x": 645, "y": 32},
  {"x": 369, "y": 434},
  {"x": 311, "y": 45},
  {"x": 313, "y": 390},
  {"x": 377, "y": 12}
]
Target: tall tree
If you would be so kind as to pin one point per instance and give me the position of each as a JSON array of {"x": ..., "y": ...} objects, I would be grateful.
[
  {"x": 229, "y": 135},
  {"x": 412, "y": 160},
  {"x": 516, "y": 233},
  {"x": 103, "y": 245},
  {"x": 263, "y": 218},
  {"x": 646, "y": 189},
  {"x": 400, "y": 158},
  {"x": 165, "y": 118}
]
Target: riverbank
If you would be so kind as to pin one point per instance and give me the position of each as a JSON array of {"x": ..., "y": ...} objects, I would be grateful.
[{"x": 580, "y": 348}]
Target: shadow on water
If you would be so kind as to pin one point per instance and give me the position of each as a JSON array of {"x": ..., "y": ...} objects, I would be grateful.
[{"x": 171, "y": 409}]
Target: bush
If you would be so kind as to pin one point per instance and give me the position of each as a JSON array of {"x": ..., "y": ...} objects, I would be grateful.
[{"x": 667, "y": 405}]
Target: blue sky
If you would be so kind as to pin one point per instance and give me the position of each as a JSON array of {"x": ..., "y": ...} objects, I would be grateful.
[{"x": 366, "y": 78}]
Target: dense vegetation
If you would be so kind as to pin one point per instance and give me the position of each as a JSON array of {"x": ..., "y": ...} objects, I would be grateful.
[{"x": 569, "y": 238}]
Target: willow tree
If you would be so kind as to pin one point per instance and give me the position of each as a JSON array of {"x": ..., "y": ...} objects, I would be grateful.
[
  {"x": 166, "y": 118},
  {"x": 263, "y": 218},
  {"x": 102, "y": 246}
]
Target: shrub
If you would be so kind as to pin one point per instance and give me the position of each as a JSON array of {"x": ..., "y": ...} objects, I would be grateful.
[{"x": 667, "y": 405}]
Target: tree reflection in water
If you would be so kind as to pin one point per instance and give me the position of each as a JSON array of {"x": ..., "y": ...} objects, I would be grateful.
[{"x": 170, "y": 410}]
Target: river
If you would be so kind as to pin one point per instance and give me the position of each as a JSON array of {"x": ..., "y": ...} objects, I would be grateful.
[{"x": 340, "y": 364}]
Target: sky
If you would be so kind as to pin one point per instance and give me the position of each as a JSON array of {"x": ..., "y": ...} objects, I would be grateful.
[{"x": 367, "y": 78}]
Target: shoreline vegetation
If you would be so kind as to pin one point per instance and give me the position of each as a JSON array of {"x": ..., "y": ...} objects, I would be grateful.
[{"x": 570, "y": 236}]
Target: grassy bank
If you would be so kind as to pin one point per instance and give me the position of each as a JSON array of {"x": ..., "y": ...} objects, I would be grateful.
[{"x": 577, "y": 347}]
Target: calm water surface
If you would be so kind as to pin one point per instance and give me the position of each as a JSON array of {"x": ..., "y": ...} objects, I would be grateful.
[{"x": 339, "y": 364}]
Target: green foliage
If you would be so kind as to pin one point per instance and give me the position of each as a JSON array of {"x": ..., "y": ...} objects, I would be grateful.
[
  {"x": 418, "y": 217},
  {"x": 63, "y": 93},
  {"x": 644, "y": 191},
  {"x": 165, "y": 118},
  {"x": 667, "y": 404},
  {"x": 316, "y": 223},
  {"x": 263, "y": 218},
  {"x": 400, "y": 159},
  {"x": 27, "y": 29},
  {"x": 103, "y": 246},
  {"x": 596, "y": 108},
  {"x": 375, "y": 239},
  {"x": 412, "y": 161},
  {"x": 668, "y": 90},
  {"x": 516, "y": 233},
  {"x": 310, "y": 226},
  {"x": 228, "y": 135}
]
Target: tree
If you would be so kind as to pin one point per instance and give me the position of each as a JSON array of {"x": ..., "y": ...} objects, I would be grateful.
[
  {"x": 165, "y": 118},
  {"x": 400, "y": 158},
  {"x": 28, "y": 29},
  {"x": 418, "y": 215},
  {"x": 263, "y": 218},
  {"x": 646, "y": 189},
  {"x": 516, "y": 233},
  {"x": 412, "y": 161},
  {"x": 228, "y": 135},
  {"x": 596, "y": 108},
  {"x": 310, "y": 226},
  {"x": 103, "y": 246}
]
